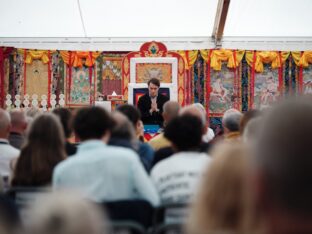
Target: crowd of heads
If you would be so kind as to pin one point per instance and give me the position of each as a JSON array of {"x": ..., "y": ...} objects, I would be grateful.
[{"x": 257, "y": 181}]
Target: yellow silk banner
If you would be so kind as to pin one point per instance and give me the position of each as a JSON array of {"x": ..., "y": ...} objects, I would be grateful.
[
  {"x": 77, "y": 58},
  {"x": 35, "y": 55}
]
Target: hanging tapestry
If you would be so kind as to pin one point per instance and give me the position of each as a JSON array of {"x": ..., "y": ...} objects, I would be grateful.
[
  {"x": 111, "y": 75},
  {"x": 223, "y": 91},
  {"x": 78, "y": 90},
  {"x": 267, "y": 89},
  {"x": 147, "y": 71},
  {"x": 307, "y": 80},
  {"x": 37, "y": 78}
]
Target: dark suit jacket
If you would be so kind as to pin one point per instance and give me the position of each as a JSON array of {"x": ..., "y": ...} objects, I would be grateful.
[{"x": 144, "y": 105}]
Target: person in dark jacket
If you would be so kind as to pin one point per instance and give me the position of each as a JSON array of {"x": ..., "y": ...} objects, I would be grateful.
[{"x": 151, "y": 104}]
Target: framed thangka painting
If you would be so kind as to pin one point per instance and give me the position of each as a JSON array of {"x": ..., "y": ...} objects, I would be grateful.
[
  {"x": 307, "y": 80},
  {"x": 267, "y": 87},
  {"x": 147, "y": 71},
  {"x": 225, "y": 91},
  {"x": 36, "y": 79},
  {"x": 80, "y": 86},
  {"x": 111, "y": 75}
]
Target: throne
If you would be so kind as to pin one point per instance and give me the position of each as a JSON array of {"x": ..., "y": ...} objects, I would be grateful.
[{"x": 153, "y": 61}]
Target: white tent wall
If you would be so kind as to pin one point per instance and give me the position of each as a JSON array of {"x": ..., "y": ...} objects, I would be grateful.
[{"x": 119, "y": 25}]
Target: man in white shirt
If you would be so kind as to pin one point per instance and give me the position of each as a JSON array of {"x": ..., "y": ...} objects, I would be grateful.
[
  {"x": 176, "y": 178},
  {"x": 7, "y": 152}
]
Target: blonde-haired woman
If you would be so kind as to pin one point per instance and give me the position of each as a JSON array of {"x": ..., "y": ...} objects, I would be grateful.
[{"x": 223, "y": 204}]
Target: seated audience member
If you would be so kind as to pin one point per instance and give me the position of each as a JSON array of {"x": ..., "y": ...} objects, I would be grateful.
[
  {"x": 18, "y": 127},
  {"x": 123, "y": 133},
  {"x": 251, "y": 130},
  {"x": 222, "y": 204},
  {"x": 282, "y": 167},
  {"x": 203, "y": 147},
  {"x": 209, "y": 135},
  {"x": 247, "y": 116},
  {"x": 230, "y": 122},
  {"x": 7, "y": 152},
  {"x": 170, "y": 111},
  {"x": 65, "y": 213},
  {"x": 102, "y": 172},
  {"x": 176, "y": 178},
  {"x": 144, "y": 150},
  {"x": 10, "y": 220},
  {"x": 66, "y": 118},
  {"x": 43, "y": 150}
]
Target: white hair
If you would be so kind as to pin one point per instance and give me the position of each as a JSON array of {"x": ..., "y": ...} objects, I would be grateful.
[{"x": 5, "y": 120}]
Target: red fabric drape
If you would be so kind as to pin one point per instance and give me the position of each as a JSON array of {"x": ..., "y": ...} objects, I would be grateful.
[
  {"x": 69, "y": 75},
  {"x": 90, "y": 80},
  {"x": 49, "y": 78},
  {"x": 235, "y": 82},
  {"x": 301, "y": 77},
  {"x": 252, "y": 81},
  {"x": 208, "y": 87},
  {"x": 25, "y": 77},
  {"x": 280, "y": 73}
]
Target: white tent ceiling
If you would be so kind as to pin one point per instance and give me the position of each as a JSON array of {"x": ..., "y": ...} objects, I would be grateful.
[{"x": 123, "y": 25}]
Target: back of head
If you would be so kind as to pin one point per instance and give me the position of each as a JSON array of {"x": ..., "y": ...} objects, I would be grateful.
[
  {"x": 43, "y": 150},
  {"x": 251, "y": 130},
  {"x": 219, "y": 207},
  {"x": 283, "y": 156},
  {"x": 247, "y": 116},
  {"x": 65, "y": 116},
  {"x": 123, "y": 128},
  {"x": 171, "y": 110},
  {"x": 231, "y": 120},
  {"x": 194, "y": 110},
  {"x": 185, "y": 132},
  {"x": 92, "y": 123},
  {"x": 131, "y": 112},
  {"x": 18, "y": 119},
  {"x": 65, "y": 213},
  {"x": 5, "y": 123}
]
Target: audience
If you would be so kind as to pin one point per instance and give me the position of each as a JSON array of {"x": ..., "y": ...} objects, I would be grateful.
[
  {"x": 144, "y": 150},
  {"x": 176, "y": 177},
  {"x": 7, "y": 152},
  {"x": 282, "y": 167},
  {"x": 65, "y": 213},
  {"x": 18, "y": 128},
  {"x": 102, "y": 172},
  {"x": 260, "y": 189},
  {"x": 66, "y": 118},
  {"x": 230, "y": 122},
  {"x": 43, "y": 150},
  {"x": 170, "y": 111}
]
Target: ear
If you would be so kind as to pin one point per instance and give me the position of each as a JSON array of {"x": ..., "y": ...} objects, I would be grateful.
[{"x": 106, "y": 137}]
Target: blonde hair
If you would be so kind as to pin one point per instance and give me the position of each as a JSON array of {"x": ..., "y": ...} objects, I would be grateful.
[
  {"x": 65, "y": 213},
  {"x": 219, "y": 207}
]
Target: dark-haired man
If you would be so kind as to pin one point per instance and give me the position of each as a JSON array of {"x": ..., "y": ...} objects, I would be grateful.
[
  {"x": 151, "y": 104},
  {"x": 102, "y": 172},
  {"x": 176, "y": 178}
]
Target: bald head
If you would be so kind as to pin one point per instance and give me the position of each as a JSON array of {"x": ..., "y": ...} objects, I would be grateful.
[
  {"x": 194, "y": 110},
  {"x": 170, "y": 110},
  {"x": 18, "y": 121},
  {"x": 5, "y": 124}
]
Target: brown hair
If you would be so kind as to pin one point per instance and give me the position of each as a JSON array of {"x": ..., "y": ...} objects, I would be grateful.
[
  {"x": 221, "y": 202},
  {"x": 43, "y": 150},
  {"x": 154, "y": 81}
]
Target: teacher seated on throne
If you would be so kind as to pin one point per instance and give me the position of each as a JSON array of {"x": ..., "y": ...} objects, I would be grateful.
[{"x": 151, "y": 104}]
